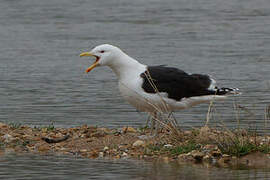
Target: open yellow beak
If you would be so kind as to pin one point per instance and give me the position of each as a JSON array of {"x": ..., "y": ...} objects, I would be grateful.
[{"x": 94, "y": 64}]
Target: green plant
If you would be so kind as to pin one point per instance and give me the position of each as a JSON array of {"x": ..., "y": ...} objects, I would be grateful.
[
  {"x": 174, "y": 151},
  {"x": 50, "y": 127},
  {"x": 264, "y": 148},
  {"x": 15, "y": 125},
  {"x": 186, "y": 148},
  {"x": 237, "y": 144}
]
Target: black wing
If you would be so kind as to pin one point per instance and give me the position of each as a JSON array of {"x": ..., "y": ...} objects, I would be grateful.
[{"x": 177, "y": 83}]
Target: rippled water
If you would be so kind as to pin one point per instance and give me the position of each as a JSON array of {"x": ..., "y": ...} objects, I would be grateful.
[
  {"x": 42, "y": 79},
  {"x": 61, "y": 167}
]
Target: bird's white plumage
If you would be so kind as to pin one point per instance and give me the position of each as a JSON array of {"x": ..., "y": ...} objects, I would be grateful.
[{"x": 128, "y": 72}]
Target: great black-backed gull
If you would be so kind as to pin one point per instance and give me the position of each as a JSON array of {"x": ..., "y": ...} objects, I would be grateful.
[{"x": 156, "y": 88}]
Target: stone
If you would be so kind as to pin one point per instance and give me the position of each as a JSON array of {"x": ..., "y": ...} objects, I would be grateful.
[
  {"x": 145, "y": 137},
  {"x": 63, "y": 149},
  {"x": 93, "y": 154},
  {"x": 106, "y": 130},
  {"x": 117, "y": 156},
  {"x": 207, "y": 158},
  {"x": 187, "y": 133},
  {"x": 197, "y": 155},
  {"x": 2, "y": 125},
  {"x": 44, "y": 147},
  {"x": 210, "y": 147},
  {"x": 26, "y": 136},
  {"x": 106, "y": 148},
  {"x": 168, "y": 146},
  {"x": 138, "y": 143},
  {"x": 186, "y": 157},
  {"x": 225, "y": 158},
  {"x": 101, "y": 154},
  {"x": 128, "y": 130},
  {"x": 216, "y": 153},
  {"x": 83, "y": 150},
  {"x": 30, "y": 148}
]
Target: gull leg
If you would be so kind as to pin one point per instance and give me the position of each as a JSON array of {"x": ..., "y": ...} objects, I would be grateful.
[
  {"x": 153, "y": 121},
  {"x": 157, "y": 123},
  {"x": 209, "y": 113},
  {"x": 148, "y": 120}
]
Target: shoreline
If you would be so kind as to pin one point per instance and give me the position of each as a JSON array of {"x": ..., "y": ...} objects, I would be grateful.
[{"x": 223, "y": 148}]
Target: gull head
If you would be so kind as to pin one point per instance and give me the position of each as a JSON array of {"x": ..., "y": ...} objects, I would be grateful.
[{"x": 105, "y": 54}]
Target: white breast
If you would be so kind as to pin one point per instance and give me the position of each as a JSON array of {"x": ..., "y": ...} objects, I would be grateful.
[{"x": 131, "y": 90}]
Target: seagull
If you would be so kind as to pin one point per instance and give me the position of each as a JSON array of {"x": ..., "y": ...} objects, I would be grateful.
[{"x": 155, "y": 89}]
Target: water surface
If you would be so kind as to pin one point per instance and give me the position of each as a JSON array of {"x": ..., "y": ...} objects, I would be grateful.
[
  {"x": 65, "y": 167},
  {"x": 43, "y": 80}
]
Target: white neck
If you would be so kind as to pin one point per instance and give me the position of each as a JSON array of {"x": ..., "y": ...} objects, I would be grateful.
[{"x": 124, "y": 65}]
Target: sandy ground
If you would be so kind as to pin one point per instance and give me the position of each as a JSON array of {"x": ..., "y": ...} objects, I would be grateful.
[{"x": 202, "y": 145}]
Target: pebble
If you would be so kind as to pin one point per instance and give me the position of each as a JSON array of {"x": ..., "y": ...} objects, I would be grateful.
[
  {"x": 187, "y": 133},
  {"x": 93, "y": 154},
  {"x": 186, "y": 157},
  {"x": 138, "y": 143},
  {"x": 63, "y": 149},
  {"x": 216, "y": 153},
  {"x": 145, "y": 137},
  {"x": 210, "y": 147},
  {"x": 207, "y": 158},
  {"x": 106, "y": 148},
  {"x": 104, "y": 130},
  {"x": 168, "y": 146},
  {"x": 117, "y": 157},
  {"x": 129, "y": 129},
  {"x": 101, "y": 154},
  {"x": 197, "y": 155},
  {"x": 43, "y": 147},
  {"x": 2, "y": 125},
  {"x": 225, "y": 158},
  {"x": 83, "y": 150}
]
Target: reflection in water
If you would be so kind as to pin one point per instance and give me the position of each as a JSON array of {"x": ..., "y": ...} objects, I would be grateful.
[{"x": 63, "y": 167}]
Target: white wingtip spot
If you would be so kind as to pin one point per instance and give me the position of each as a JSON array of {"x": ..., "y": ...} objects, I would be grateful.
[{"x": 212, "y": 85}]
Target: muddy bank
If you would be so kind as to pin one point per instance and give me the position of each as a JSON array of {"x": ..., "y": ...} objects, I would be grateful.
[{"x": 210, "y": 146}]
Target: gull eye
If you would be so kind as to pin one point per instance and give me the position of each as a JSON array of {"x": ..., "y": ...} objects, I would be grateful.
[{"x": 102, "y": 51}]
